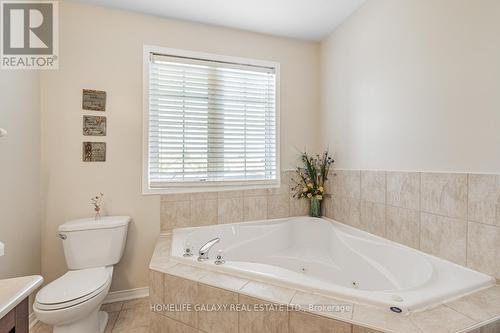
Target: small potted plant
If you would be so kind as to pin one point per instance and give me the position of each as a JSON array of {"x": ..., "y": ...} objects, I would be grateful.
[
  {"x": 97, "y": 201},
  {"x": 310, "y": 180}
]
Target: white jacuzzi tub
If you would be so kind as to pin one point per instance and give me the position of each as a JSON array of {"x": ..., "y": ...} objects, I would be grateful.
[{"x": 322, "y": 255}]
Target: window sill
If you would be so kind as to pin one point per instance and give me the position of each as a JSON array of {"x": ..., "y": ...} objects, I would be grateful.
[{"x": 207, "y": 188}]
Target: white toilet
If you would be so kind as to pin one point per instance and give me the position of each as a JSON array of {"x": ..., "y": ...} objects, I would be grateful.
[{"x": 91, "y": 247}]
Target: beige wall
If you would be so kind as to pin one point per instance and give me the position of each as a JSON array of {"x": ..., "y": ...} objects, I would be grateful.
[
  {"x": 102, "y": 49},
  {"x": 20, "y": 173},
  {"x": 414, "y": 85}
]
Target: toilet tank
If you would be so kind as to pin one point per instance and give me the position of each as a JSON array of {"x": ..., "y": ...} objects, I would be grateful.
[{"x": 94, "y": 243}]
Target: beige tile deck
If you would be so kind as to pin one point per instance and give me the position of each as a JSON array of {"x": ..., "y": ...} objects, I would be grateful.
[
  {"x": 441, "y": 319},
  {"x": 462, "y": 315},
  {"x": 223, "y": 281},
  {"x": 268, "y": 292},
  {"x": 479, "y": 306},
  {"x": 187, "y": 272}
]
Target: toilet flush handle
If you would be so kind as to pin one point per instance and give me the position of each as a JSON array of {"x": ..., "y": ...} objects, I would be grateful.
[{"x": 62, "y": 236}]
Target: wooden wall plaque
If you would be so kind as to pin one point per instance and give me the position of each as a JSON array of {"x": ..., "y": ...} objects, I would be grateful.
[
  {"x": 94, "y": 126},
  {"x": 94, "y": 100},
  {"x": 94, "y": 152}
]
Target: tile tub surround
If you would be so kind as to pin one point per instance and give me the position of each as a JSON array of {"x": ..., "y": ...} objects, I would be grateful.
[
  {"x": 197, "y": 209},
  {"x": 177, "y": 283},
  {"x": 455, "y": 216}
]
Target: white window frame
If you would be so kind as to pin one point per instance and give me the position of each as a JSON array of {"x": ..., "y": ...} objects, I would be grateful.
[{"x": 196, "y": 186}]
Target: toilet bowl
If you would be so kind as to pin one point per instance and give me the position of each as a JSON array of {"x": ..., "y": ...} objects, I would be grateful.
[{"x": 71, "y": 303}]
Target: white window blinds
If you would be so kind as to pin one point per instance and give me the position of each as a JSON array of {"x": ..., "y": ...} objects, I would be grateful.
[{"x": 210, "y": 123}]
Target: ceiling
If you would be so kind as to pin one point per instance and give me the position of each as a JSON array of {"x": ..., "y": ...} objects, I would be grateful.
[{"x": 303, "y": 19}]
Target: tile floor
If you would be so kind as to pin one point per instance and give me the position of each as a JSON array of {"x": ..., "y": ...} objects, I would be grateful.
[{"x": 124, "y": 317}]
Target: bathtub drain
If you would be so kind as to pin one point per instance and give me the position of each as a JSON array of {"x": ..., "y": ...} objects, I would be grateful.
[
  {"x": 355, "y": 284},
  {"x": 396, "y": 309}
]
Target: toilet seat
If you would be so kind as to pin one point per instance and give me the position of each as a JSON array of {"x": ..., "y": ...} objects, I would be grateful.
[{"x": 73, "y": 288}]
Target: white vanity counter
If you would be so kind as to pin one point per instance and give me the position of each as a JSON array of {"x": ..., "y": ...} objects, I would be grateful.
[{"x": 14, "y": 291}]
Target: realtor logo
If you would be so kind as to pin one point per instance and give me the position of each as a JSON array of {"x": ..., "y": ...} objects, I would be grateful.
[{"x": 29, "y": 34}]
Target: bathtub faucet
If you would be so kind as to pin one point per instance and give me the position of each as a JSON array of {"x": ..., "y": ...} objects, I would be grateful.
[{"x": 203, "y": 253}]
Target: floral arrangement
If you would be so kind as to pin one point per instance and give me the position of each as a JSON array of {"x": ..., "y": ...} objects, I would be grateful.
[
  {"x": 97, "y": 201},
  {"x": 312, "y": 176}
]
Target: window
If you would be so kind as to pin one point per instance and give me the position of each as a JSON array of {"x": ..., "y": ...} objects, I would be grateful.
[{"x": 210, "y": 122}]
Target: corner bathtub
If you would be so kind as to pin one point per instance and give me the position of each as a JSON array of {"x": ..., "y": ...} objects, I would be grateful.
[{"x": 324, "y": 256}]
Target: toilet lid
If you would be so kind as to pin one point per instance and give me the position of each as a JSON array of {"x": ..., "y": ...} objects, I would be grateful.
[
  {"x": 73, "y": 285},
  {"x": 78, "y": 301}
]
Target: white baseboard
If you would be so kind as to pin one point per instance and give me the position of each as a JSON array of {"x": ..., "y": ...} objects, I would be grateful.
[
  {"x": 32, "y": 320},
  {"x": 126, "y": 295}
]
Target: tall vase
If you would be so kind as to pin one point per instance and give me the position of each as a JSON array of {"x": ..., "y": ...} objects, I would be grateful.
[{"x": 315, "y": 209}]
